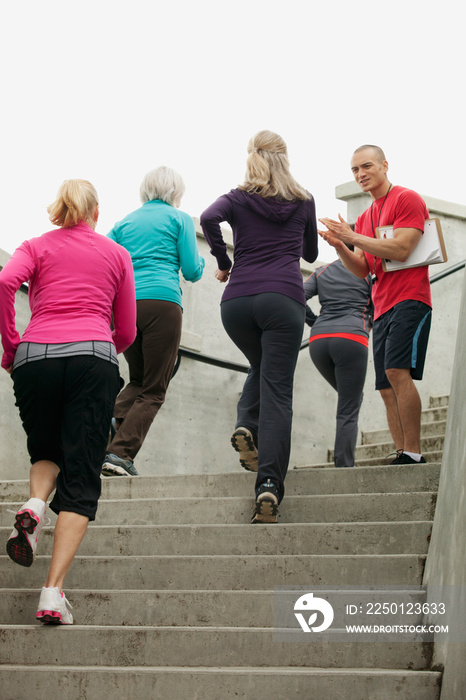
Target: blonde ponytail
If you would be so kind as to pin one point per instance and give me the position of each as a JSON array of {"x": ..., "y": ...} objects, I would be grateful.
[
  {"x": 268, "y": 169},
  {"x": 76, "y": 201}
]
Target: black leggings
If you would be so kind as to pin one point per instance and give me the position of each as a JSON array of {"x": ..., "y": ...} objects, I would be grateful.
[
  {"x": 268, "y": 329},
  {"x": 343, "y": 363},
  {"x": 66, "y": 405}
]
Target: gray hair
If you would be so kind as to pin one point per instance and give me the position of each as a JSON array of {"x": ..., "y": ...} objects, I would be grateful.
[{"x": 162, "y": 183}]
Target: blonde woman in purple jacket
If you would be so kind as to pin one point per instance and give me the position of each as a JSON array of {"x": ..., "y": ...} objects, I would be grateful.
[{"x": 274, "y": 224}]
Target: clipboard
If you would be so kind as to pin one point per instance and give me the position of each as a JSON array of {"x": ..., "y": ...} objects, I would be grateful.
[{"x": 429, "y": 251}]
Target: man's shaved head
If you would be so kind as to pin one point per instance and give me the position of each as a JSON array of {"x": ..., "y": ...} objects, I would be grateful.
[{"x": 377, "y": 151}]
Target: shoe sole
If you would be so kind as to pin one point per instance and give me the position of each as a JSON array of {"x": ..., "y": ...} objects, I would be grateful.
[
  {"x": 51, "y": 617},
  {"x": 243, "y": 443},
  {"x": 18, "y": 548},
  {"x": 266, "y": 510},
  {"x": 113, "y": 470}
]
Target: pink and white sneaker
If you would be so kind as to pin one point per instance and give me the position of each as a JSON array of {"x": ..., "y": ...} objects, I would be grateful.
[
  {"x": 53, "y": 608},
  {"x": 29, "y": 520}
]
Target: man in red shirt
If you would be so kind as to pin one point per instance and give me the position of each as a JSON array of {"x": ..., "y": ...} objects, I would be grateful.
[{"x": 402, "y": 299}]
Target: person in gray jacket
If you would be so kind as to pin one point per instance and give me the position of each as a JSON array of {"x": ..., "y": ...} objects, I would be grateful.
[{"x": 339, "y": 345}]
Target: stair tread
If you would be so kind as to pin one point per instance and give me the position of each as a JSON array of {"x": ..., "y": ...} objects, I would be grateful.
[{"x": 210, "y": 669}]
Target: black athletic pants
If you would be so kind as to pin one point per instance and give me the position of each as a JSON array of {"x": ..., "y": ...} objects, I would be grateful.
[{"x": 268, "y": 329}]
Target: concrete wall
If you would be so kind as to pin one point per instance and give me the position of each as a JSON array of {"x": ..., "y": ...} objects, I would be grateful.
[
  {"x": 445, "y": 573},
  {"x": 192, "y": 431}
]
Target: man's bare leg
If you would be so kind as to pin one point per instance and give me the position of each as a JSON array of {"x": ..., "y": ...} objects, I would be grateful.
[
  {"x": 409, "y": 408},
  {"x": 393, "y": 417}
]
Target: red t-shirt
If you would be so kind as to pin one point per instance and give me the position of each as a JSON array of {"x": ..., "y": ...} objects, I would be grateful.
[{"x": 402, "y": 208}]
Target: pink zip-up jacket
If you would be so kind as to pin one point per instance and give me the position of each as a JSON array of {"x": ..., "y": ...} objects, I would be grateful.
[{"x": 77, "y": 280}]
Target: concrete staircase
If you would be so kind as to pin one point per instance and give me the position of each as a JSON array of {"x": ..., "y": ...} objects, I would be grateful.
[
  {"x": 376, "y": 444},
  {"x": 173, "y": 591}
]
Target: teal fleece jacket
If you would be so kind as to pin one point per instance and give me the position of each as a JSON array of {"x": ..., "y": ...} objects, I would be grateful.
[{"x": 161, "y": 241}]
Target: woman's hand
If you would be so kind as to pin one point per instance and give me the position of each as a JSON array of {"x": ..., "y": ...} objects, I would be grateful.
[
  {"x": 222, "y": 275},
  {"x": 9, "y": 369}
]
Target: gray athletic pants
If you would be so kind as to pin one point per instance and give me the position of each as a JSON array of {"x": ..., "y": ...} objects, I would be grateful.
[{"x": 343, "y": 363}]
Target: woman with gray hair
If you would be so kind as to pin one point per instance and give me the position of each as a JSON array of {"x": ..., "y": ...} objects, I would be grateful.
[{"x": 161, "y": 241}]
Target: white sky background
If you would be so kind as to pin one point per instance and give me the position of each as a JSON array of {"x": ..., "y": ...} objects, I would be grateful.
[{"x": 107, "y": 90}]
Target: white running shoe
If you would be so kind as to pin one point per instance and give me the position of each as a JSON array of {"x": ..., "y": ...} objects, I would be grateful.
[
  {"x": 22, "y": 543},
  {"x": 53, "y": 608}
]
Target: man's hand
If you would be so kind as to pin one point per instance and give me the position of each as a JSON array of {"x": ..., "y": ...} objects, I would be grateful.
[
  {"x": 340, "y": 233},
  {"x": 339, "y": 230}
]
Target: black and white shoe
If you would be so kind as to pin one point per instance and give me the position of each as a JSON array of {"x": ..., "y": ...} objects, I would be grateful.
[
  {"x": 117, "y": 466},
  {"x": 403, "y": 458}
]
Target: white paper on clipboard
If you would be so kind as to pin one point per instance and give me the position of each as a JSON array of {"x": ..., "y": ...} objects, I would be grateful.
[{"x": 429, "y": 251}]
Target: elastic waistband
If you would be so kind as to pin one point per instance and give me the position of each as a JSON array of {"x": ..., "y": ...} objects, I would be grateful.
[{"x": 347, "y": 336}]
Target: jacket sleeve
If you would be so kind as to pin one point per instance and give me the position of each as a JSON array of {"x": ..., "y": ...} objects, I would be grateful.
[
  {"x": 220, "y": 210},
  {"x": 19, "y": 269},
  {"x": 310, "y": 290},
  {"x": 124, "y": 307},
  {"x": 191, "y": 263},
  {"x": 310, "y": 245}
]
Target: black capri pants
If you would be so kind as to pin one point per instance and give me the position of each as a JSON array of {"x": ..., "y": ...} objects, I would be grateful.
[{"x": 66, "y": 405}]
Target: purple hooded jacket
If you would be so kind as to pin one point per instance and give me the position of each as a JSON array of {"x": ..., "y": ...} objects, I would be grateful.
[{"x": 269, "y": 238}]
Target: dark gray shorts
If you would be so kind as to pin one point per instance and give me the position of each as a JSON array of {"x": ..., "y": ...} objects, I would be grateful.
[{"x": 400, "y": 338}]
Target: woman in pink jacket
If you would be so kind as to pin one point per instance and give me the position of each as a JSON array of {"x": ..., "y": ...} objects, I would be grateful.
[{"x": 65, "y": 374}]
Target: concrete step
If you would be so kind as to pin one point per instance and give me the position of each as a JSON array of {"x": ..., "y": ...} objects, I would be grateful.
[
  {"x": 316, "y": 538},
  {"x": 70, "y": 683},
  {"x": 371, "y": 507},
  {"x": 434, "y": 413},
  {"x": 434, "y": 429},
  {"x": 231, "y": 572},
  {"x": 382, "y": 450},
  {"x": 430, "y": 457},
  {"x": 434, "y": 456},
  {"x": 428, "y": 444},
  {"x": 198, "y": 646},
  {"x": 437, "y": 401},
  {"x": 365, "y": 479},
  {"x": 429, "y": 417},
  {"x": 191, "y": 608}
]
